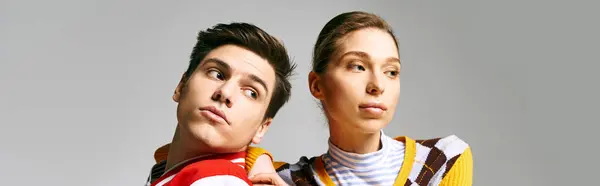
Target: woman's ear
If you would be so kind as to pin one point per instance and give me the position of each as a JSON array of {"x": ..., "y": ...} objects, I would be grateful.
[{"x": 314, "y": 84}]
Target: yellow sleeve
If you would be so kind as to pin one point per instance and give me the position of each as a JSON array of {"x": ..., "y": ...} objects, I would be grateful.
[
  {"x": 278, "y": 164},
  {"x": 252, "y": 153},
  {"x": 461, "y": 173}
]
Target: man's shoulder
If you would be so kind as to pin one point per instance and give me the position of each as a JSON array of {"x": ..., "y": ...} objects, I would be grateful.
[
  {"x": 214, "y": 167},
  {"x": 157, "y": 171},
  {"x": 207, "y": 172},
  {"x": 161, "y": 153}
]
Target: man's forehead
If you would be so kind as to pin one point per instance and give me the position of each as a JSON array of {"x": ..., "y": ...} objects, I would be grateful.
[
  {"x": 239, "y": 57},
  {"x": 244, "y": 61}
]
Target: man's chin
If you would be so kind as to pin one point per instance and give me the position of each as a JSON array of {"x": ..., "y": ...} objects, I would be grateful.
[
  {"x": 209, "y": 139},
  {"x": 203, "y": 134},
  {"x": 219, "y": 144}
]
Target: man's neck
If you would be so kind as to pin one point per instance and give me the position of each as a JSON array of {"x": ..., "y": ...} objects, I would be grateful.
[
  {"x": 354, "y": 141},
  {"x": 179, "y": 151}
]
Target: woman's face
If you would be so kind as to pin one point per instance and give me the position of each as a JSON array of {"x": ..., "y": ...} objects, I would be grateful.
[{"x": 361, "y": 85}]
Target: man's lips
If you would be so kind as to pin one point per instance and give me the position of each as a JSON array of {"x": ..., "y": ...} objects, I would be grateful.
[{"x": 216, "y": 112}]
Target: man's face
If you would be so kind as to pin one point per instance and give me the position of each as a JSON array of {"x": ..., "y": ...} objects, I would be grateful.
[{"x": 222, "y": 104}]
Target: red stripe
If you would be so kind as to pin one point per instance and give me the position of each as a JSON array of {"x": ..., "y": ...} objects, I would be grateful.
[
  {"x": 200, "y": 169},
  {"x": 208, "y": 168}
]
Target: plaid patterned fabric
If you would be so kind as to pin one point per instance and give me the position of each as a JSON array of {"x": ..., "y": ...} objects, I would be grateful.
[
  {"x": 301, "y": 173},
  {"x": 433, "y": 159}
]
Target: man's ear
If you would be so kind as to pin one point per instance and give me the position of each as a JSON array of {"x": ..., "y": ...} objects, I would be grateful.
[
  {"x": 178, "y": 89},
  {"x": 314, "y": 84},
  {"x": 262, "y": 130}
]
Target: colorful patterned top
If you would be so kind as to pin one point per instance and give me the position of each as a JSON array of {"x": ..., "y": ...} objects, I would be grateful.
[
  {"x": 218, "y": 169},
  {"x": 440, "y": 161},
  {"x": 160, "y": 156}
]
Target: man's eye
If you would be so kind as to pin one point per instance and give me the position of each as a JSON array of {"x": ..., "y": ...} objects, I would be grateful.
[
  {"x": 216, "y": 74},
  {"x": 251, "y": 93}
]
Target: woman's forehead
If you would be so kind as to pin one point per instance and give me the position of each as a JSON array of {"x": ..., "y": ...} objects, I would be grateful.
[{"x": 376, "y": 43}]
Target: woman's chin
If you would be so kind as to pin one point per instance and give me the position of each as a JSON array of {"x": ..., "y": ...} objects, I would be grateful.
[{"x": 371, "y": 125}]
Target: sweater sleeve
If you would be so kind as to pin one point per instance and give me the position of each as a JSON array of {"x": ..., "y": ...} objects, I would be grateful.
[
  {"x": 252, "y": 153},
  {"x": 461, "y": 173}
]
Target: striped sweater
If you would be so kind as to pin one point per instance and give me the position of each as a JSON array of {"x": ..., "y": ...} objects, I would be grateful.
[
  {"x": 219, "y": 169},
  {"x": 441, "y": 161},
  {"x": 245, "y": 160}
]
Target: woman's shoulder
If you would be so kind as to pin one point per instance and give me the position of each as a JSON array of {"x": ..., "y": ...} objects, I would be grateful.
[
  {"x": 445, "y": 157},
  {"x": 450, "y": 145},
  {"x": 441, "y": 150},
  {"x": 298, "y": 173},
  {"x": 449, "y": 157}
]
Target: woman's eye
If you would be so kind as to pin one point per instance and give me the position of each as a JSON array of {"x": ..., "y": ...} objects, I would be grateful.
[
  {"x": 357, "y": 68},
  {"x": 393, "y": 73}
]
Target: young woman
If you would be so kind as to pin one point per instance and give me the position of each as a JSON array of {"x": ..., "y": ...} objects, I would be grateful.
[{"x": 356, "y": 77}]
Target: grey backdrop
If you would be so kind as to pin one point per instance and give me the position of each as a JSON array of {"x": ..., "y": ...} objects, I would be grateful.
[{"x": 85, "y": 86}]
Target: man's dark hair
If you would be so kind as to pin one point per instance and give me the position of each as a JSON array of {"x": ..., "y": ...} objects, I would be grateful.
[{"x": 252, "y": 38}]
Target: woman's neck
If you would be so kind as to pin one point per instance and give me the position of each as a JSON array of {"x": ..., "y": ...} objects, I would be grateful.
[{"x": 355, "y": 141}]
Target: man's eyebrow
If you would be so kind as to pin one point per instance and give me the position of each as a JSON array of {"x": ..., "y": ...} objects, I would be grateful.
[
  {"x": 224, "y": 65},
  {"x": 218, "y": 62},
  {"x": 259, "y": 81}
]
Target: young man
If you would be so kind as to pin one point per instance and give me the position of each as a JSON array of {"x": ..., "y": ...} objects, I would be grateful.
[{"x": 236, "y": 82}]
